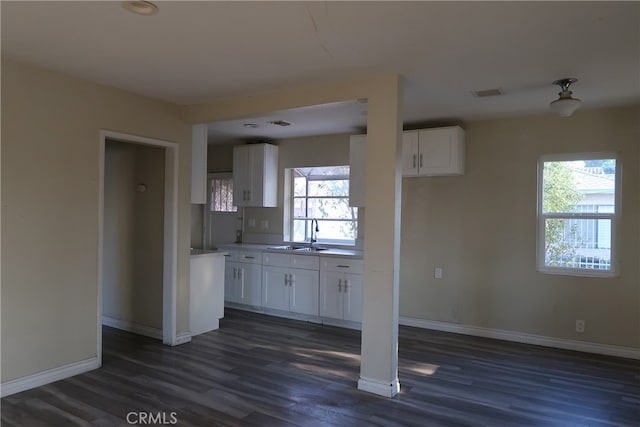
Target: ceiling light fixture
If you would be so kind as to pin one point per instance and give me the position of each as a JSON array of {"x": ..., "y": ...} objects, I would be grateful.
[
  {"x": 281, "y": 123},
  {"x": 250, "y": 125},
  {"x": 140, "y": 7},
  {"x": 565, "y": 105}
]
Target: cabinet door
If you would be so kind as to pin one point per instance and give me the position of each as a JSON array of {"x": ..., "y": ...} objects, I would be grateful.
[
  {"x": 357, "y": 170},
  {"x": 331, "y": 295},
  {"x": 442, "y": 151},
  {"x": 410, "y": 154},
  {"x": 230, "y": 274},
  {"x": 304, "y": 291},
  {"x": 255, "y": 175},
  {"x": 275, "y": 287},
  {"x": 241, "y": 174},
  {"x": 353, "y": 297},
  {"x": 250, "y": 286}
]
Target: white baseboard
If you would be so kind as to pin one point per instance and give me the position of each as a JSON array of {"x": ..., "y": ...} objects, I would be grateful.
[
  {"x": 342, "y": 323},
  {"x": 183, "y": 338},
  {"x": 135, "y": 328},
  {"x": 587, "y": 347},
  {"x": 38, "y": 379},
  {"x": 380, "y": 388}
]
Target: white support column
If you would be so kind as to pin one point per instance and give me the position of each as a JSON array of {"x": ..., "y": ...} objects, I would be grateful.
[{"x": 379, "y": 366}]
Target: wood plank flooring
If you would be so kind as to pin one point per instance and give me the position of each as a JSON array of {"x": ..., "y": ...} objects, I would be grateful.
[{"x": 264, "y": 371}]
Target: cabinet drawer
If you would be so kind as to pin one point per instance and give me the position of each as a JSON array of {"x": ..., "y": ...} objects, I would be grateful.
[
  {"x": 276, "y": 260},
  {"x": 249, "y": 257},
  {"x": 231, "y": 256},
  {"x": 306, "y": 262},
  {"x": 344, "y": 265}
]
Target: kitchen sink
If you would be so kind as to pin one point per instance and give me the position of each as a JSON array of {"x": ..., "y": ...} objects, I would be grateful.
[
  {"x": 312, "y": 249},
  {"x": 297, "y": 248},
  {"x": 287, "y": 248}
]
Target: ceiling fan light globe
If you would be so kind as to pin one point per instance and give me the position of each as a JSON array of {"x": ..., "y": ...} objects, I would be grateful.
[{"x": 565, "y": 106}]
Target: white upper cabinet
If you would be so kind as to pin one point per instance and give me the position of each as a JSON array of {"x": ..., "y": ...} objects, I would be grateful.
[
  {"x": 433, "y": 152},
  {"x": 410, "y": 153},
  {"x": 199, "y": 164},
  {"x": 255, "y": 175},
  {"x": 357, "y": 170}
]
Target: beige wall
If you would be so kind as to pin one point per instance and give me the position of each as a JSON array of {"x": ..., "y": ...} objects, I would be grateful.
[
  {"x": 133, "y": 233},
  {"x": 50, "y": 141},
  {"x": 481, "y": 229},
  {"x": 220, "y": 158}
]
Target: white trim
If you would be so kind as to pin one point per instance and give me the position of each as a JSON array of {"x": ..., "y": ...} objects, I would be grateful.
[
  {"x": 135, "y": 328},
  {"x": 562, "y": 343},
  {"x": 45, "y": 377},
  {"x": 380, "y": 388},
  {"x": 183, "y": 338},
  {"x": 170, "y": 256}
]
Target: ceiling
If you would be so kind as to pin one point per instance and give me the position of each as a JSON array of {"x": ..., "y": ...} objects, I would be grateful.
[{"x": 192, "y": 52}]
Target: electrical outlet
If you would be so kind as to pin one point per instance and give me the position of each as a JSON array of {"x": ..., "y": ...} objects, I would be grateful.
[
  {"x": 580, "y": 326},
  {"x": 264, "y": 224},
  {"x": 252, "y": 223},
  {"x": 437, "y": 273}
]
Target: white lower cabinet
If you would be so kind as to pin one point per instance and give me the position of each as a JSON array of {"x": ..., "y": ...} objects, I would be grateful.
[
  {"x": 341, "y": 288},
  {"x": 290, "y": 289},
  {"x": 243, "y": 274}
]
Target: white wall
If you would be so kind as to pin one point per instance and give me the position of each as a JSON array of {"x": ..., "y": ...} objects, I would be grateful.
[
  {"x": 50, "y": 164},
  {"x": 481, "y": 229},
  {"x": 133, "y": 234}
]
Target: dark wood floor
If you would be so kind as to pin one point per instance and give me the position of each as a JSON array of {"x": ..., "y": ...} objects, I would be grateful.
[{"x": 264, "y": 371}]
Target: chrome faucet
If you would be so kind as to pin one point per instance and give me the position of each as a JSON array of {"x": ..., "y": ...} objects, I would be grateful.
[{"x": 312, "y": 240}]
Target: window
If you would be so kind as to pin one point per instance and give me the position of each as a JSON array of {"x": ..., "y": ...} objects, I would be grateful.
[
  {"x": 320, "y": 193},
  {"x": 578, "y": 197},
  {"x": 221, "y": 191}
]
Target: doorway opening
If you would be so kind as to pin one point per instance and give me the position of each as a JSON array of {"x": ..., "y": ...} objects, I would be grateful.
[{"x": 137, "y": 241}]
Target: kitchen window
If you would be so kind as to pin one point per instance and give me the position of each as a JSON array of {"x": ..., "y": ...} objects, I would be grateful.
[
  {"x": 320, "y": 193},
  {"x": 578, "y": 202},
  {"x": 221, "y": 193}
]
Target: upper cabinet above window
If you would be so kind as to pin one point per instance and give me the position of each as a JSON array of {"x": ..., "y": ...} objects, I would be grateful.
[{"x": 255, "y": 175}]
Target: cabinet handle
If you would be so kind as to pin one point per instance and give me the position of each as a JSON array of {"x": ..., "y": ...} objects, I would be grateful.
[
  {"x": 342, "y": 266},
  {"x": 414, "y": 161},
  {"x": 248, "y": 195},
  {"x": 339, "y": 285},
  {"x": 291, "y": 280},
  {"x": 239, "y": 273},
  {"x": 420, "y": 159},
  {"x": 347, "y": 285},
  {"x": 234, "y": 272},
  {"x": 249, "y": 257}
]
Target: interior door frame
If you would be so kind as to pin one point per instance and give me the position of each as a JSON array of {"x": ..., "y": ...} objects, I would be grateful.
[{"x": 170, "y": 255}]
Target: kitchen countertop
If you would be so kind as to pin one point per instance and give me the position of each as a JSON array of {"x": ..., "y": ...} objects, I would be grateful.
[
  {"x": 352, "y": 253},
  {"x": 202, "y": 252}
]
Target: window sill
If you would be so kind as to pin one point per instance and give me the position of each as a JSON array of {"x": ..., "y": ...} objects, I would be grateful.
[{"x": 579, "y": 272}]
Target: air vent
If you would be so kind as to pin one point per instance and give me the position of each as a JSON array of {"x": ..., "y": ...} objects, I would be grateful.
[
  {"x": 487, "y": 92},
  {"x": 280, "y": 123}
]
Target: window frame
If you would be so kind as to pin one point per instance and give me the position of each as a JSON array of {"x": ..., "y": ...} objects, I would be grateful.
[
  {"x": 289, "y": 217},
  {"x": 614, "y": 217}
]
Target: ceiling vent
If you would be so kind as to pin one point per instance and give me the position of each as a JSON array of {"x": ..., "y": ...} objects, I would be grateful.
[
  {"x": 282, "y": 123},
  {"x": 487, "y": 92}
]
